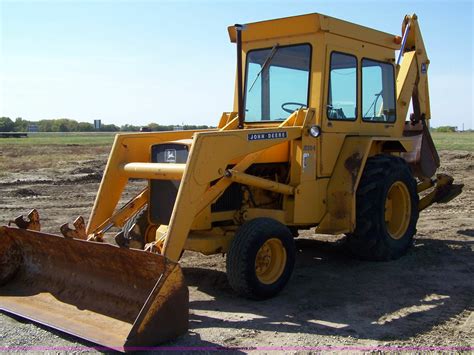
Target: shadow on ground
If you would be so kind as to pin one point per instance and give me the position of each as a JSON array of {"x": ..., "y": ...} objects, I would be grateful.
[{"x": 333, "y": 294}]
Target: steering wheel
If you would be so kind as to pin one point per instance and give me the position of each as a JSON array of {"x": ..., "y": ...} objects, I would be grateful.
[{"x": 283, "y": 106}]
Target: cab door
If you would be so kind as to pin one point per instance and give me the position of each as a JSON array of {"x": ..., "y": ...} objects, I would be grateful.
[{"x": 341, "y": 102}]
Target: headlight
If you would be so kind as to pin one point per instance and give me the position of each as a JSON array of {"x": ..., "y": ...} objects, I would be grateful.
[{"x": 315, "y": 131}]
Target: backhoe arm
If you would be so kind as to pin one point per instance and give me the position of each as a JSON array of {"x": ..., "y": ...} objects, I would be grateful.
[
  {"x": 412, "y": 75},
  {"x": 412, "y": 82}
]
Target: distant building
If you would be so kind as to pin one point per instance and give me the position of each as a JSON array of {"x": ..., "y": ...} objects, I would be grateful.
[
  {"x": 32, "y": 128},
  {"x": 97, "y": 124}
]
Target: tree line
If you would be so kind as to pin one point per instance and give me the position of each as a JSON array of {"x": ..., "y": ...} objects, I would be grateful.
[{"x": 69, "y": 125}]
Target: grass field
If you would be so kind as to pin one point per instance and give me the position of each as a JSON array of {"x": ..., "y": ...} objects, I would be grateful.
[
  {"x": 454, "y": 141},
  {"x": 85, "y": 138},
  {"x": 443, "y": 141}
]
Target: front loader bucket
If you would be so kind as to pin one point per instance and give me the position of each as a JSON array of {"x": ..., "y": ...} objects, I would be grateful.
[{"x": 108, "y": 295}]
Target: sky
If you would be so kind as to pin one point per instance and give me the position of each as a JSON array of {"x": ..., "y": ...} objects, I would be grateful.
[{"x": 171, "y": 62}]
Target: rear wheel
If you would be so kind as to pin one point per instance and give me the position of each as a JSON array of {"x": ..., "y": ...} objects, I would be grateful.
[
  {"x": 261, "y": 258},
  {"x": 386, "y": 210}
]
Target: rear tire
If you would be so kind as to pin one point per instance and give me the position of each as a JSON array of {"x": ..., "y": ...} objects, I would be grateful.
[
  {"x": 386, "y": 210},
  {"x": 261, "y": 258}
]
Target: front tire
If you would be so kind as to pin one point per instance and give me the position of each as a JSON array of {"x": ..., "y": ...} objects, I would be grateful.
[
  {"x": 386, "y": 210},
  {"x": 261, "y": 258}
]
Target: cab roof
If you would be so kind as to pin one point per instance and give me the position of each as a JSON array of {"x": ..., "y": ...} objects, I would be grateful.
[{"x": 312, "y": 23}]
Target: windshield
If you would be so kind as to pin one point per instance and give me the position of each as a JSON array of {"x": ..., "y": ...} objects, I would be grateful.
[{"x": 277, "y": 82}]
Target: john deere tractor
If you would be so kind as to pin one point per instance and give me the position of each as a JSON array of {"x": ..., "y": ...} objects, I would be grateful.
[{"x": 317, "y": 138}]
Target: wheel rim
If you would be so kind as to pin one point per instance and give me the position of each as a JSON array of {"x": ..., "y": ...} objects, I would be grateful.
[
  {"x": 397, "y": 210},
  {"x": 150, "y": 233},
  {"x": 270, "y": 261}
]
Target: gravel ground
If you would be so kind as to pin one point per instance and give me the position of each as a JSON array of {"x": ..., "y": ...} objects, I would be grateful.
[{"x": 424, "y": 299}]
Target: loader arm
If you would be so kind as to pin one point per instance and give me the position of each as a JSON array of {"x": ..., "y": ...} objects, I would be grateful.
[
  {"x": 127, "y": 148},
  {"x": 211, "y": 153}
]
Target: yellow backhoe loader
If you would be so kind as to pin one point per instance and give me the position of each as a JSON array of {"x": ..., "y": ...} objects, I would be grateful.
[{"x": 317, "y": 139}]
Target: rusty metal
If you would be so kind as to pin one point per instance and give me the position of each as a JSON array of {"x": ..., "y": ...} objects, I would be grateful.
[
  {"x": 443, "y": 192},
  {"x": 424, "y": 159},
  {"x": 154, "y": 247},
  {"x": 425, "y": 185},
  {"x": 352, "y": 165},
  {"x": 79, "y": 231},
  {"x": 32, "y": 221},
  {"x": 112, "y": 296},
  {"x": 96, "y": 238}
]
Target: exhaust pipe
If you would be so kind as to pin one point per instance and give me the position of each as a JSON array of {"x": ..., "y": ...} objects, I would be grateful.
[{"x": 240, "y": 85}]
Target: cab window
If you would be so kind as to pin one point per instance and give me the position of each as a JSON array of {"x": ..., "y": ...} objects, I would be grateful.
[
  {"x": 342, "y": 93},
  {"x": 378, "y": 91},
  {"x": 277, "y": 82}
]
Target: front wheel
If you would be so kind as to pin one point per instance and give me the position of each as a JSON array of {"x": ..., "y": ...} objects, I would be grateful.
[{"x": 261, "y": 258}]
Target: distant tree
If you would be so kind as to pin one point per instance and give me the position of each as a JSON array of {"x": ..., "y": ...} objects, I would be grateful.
[
  {"x": 45, "y": 125},
  {"x": 165, "y": 128},
  {"x": 109, "y": 128},
  {"x": 65, "y": 125},
  {"x": 6, "y": 124},
  {"x": 69, "y": 125},
  {"x": 194, "y": 127},
  {"x": 85, "y": 127},
  {"x": 129, "y": 128},
  {"x": 153, "y": 126},
  {"x": 157, "y": 127},
  {"x": 446, "y": 129},
  {"x": 21, "y": 125}
]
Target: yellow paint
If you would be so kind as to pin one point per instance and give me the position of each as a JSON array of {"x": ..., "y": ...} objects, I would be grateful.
[
  {"x": 397, "y": 210},
  {"x": 324, "y": 172},
  {"x": 277, "y": 215},
  {"x": 209, "y": 242},
  {"x": 158, "y": 171},
  {"x": 270, "y": 261},
  {"x": 342, "y": 186}
]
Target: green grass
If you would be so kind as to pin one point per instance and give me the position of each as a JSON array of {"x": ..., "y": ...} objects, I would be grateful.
[
  {"x": 443, "y": 141},
  {"x": 92, "y": 138},
  {"x": 454, "y": 140}
]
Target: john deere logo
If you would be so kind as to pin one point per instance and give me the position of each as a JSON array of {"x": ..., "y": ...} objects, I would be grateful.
[
  {"x": 266, "y": 135},
  {"x": 170, "y": 155}
]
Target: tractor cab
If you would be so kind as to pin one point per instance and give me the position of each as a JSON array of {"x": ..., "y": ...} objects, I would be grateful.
[
  {"x": 277, "y": 82},
  {"x": 344, "y": 71},
  {"x": 347, "y": 73}
]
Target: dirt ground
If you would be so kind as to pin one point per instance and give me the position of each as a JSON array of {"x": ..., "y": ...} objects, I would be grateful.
[{"x": 423, "y": 299}]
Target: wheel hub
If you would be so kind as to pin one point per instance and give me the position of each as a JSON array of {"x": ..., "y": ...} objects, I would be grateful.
[
  {"x": 270, "y": 261},
  {"x": 397, "y": 210}
]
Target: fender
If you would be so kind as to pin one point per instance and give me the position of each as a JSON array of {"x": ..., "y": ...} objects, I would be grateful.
[{"x": 340, "y": 215}]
